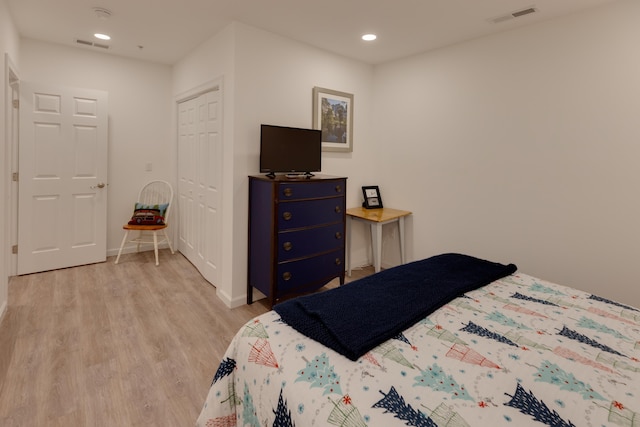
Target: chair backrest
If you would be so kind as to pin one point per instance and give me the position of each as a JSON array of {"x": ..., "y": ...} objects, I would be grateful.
[{"x": 157, "y": 192}]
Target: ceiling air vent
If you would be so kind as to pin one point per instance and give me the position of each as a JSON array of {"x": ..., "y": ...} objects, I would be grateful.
[
  {"x": 523, "y": 12},
  {"x": 88, "y": 43},
  {"x": 512, "y": 15}
]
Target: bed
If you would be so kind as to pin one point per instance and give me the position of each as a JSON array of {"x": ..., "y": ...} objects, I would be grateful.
[{"x": 513, "y": 351}]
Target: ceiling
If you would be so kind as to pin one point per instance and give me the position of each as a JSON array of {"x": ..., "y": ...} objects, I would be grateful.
[{"x": 164, "y": 31}]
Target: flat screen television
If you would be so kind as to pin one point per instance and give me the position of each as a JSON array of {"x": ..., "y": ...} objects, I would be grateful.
[{"x": 294, "y": 151}]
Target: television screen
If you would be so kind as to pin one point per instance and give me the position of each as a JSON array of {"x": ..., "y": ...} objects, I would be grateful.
[{"x": 290, "y": 150}]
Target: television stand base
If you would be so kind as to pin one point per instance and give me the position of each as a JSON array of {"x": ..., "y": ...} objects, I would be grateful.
[{"x": 305, "y": 175}]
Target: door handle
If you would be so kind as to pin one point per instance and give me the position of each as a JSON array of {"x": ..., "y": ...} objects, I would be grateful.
[{"x": 100, "y": 185}]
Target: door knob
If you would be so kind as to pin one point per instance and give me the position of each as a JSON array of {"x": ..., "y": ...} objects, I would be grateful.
[{"x": 100, "y": 185}]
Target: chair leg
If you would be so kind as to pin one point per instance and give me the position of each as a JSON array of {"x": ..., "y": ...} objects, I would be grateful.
[
  {"x": 124, "y": 240},
  {"x": 168, "y": 241},
  {"x": 155, "y": 246},
  {"x": 140, "y": 234}
]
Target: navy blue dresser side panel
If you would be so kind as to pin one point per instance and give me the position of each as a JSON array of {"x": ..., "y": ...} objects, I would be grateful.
[{"x": 261, "y": 225}]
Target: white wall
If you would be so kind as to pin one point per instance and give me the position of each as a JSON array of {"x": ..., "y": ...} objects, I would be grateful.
[
  {"x": 9, "y": 45},
  {"x": 140, "y": 116},
  {"x": 523, "y": 147},
  {"x": 269, "y": 79}
]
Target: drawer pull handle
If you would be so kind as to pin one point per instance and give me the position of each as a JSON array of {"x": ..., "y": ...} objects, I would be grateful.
[
  {"x": 338, "y": 235},
  {"x": 338, "y": 261},
  {"x": 288, "y": 192},
  {"x": 287, "y": 246},
  {"x": 286, "y": 275},
  {"x": 287, "y": 216},
  {"x": 338, "y": 209},
  {"x": 338, "y": 188}
]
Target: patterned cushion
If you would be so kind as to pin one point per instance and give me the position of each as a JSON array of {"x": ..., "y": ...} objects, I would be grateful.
[{"x": 148, "y": 214}]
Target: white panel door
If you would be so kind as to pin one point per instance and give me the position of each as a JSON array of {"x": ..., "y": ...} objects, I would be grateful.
[
  {"x": 62, "y": 194},
  {"x": 199, "y": 182}
]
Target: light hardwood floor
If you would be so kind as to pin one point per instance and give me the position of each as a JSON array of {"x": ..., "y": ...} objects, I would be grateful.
[{"x": 114, "y": 345}]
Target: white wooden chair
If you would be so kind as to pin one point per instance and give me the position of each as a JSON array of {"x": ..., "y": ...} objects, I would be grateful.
[{"x": 153, "y": 193}]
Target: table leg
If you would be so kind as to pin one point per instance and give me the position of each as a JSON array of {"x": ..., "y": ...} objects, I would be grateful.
[
  {"x": 401, "y": 229},
  {"x": 347, "y": 244},
  {"x": 376, "y": 242}
]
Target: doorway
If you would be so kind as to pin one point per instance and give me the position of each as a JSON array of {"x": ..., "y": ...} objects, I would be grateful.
[
  {"x": 60, "y": 155},
  {"x": 12, "y": 96}
]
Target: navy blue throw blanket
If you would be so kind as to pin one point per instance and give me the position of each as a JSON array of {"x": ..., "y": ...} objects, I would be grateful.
[{"x": 355, "y": 318}]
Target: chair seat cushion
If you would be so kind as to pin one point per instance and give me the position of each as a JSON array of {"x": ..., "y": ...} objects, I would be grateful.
[
  {"x": 143, "y": 227},
  {"x": 148, "y": 214}
]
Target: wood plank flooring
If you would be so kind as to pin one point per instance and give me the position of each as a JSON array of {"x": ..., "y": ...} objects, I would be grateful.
[{"x": 132, "y": 344}]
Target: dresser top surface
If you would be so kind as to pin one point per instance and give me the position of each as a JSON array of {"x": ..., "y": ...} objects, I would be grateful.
[{"x": 284, "y": 178}]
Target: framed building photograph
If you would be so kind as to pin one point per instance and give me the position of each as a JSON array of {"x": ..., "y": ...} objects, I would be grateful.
[
  {"x": 333, "y": 115},
  {"x": 372, "y": 198}
]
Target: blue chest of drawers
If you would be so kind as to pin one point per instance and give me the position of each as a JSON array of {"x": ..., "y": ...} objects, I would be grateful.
[{"x": 296, "y": 234}]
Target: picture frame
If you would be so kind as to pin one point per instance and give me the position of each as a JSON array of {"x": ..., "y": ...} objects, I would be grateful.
[
  {"x": 372, "y": 198},
  {"x": 333, "y": 115}
]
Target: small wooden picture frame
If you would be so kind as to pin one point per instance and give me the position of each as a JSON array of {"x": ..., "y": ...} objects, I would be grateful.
[{"x": 372, "y": 198}]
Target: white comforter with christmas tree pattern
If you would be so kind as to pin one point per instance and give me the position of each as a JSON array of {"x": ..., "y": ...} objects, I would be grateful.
[{"x": 519, "y": 351}]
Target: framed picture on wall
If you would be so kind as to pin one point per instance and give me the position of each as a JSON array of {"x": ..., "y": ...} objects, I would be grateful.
[
  {"x": 372, "y": 198},
  {"x": 333, "y": 115}
]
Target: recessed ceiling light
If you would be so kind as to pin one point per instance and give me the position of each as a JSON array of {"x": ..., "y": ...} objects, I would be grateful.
[
  {"x": 102, "y": 36},
  {"x": 369, "y": 37}
]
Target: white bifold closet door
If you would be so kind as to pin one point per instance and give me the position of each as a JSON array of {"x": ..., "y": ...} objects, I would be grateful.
[{"x": 200, "y": 181}]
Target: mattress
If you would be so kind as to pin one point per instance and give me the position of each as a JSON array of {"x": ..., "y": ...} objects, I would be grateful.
[{"x": 517, "y": 351}]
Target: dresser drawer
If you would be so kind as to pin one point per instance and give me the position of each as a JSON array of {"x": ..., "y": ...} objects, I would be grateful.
[
  {"x": 310, "y": 190},
  {"x": 296, "y": 274},
  {"x": 309, "y": 241},
  {"x": 310, "y": 213}
]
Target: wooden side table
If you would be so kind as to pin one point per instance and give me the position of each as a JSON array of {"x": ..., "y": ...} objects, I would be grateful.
[{"x": 376, "y": 218}]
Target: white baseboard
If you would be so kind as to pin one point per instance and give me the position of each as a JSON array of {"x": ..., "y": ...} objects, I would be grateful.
[
  {"x": 224, "y": 297},
  {"x": 3, "y": 309},
  {"x": 239, "y": 301}
]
